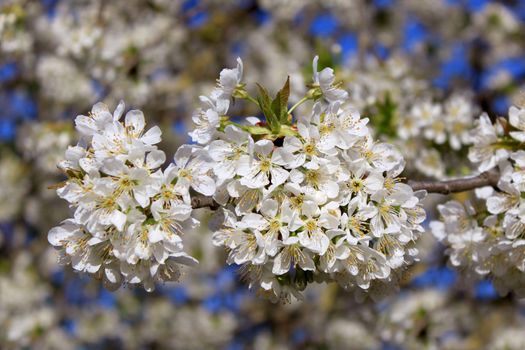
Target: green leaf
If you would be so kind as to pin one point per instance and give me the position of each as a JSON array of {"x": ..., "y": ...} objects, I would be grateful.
[
  {"x": 257, "y": 130},
  {"x": 282, "y": 96},
  {"x": 263, "y": 94},
  {"x": 280, "y": 103},
  {"x": 266, "y": 105},
  {"x": 276, "y": 106},
  {"x": 275, "y": 111}
]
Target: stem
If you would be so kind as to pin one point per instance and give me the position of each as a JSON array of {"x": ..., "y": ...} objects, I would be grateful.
[
  {"x": 251, "y": 99},
  {"x": 509, "y": 144},
  {"x": 488, "y": 178},
  {"x": 300, "y": 102},
  {"x": 242, "y": 127}
]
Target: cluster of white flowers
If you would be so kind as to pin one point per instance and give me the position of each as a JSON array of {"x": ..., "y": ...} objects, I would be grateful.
[
  {"x": 44, "y": 143},
  {"x": 63, "y": 81},
  {"x": 15, "y": 185},
  {"x": 428, "y": 124},
  {"x": 415, "y": 319},
  {"x": 187, "y": 327},
  {"x": 448, "y": 122},
  {"x": 41, "y": 146},
  {"x": 319, "y": 199},
  {"x": 408, "y": 112},
  {"x": 23, "y": 312},
  {"x": 12, "y": 38},
  {"x": 490, "y": 239},
  {"x": 129, "y": 214},
  {"x": 75, "y": 37},
  {"x": 483, "y": 247},
  {"x": 497, "y": 22},
  {"x": 509, "y": 339},
  {"x": 290, "y": 9},
  {"x": 341, "y": 333}
]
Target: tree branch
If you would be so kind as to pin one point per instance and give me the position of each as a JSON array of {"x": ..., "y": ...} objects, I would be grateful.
[
  {"x": 489, "y": 178},
  {"x": 200, "y": 201}
]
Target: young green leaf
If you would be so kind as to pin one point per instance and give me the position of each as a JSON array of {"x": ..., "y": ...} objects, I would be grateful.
[
  {"x": 276, "y": 107},
  {"x": 266, "y": 105},
  {"x": 282, "y": 97}
]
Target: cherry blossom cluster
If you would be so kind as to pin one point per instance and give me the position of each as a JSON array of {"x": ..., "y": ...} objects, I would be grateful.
[
  {"x": 408, "y": 112},
  {"x": 13, "y": 39},
  {"x": 425, "y": 125},
  {"x": 306, "y": 197},
  {"x": 31, "y": 315},
  {"x": 23, "y": 307},
  {"x": 129, "y": 215},
  {"x": 487, "y": 237},
  {"x": 15, "y": 185},
  {"x": 44, "y": 143},
  {"x": 449, "y": 122},
  {"x": 481, "y": 247}
]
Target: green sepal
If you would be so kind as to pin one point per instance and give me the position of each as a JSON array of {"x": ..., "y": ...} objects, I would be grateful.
[{"x": 257, "y": 130}]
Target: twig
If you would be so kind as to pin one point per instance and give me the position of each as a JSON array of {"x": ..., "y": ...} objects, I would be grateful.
[{"x": 489, "y": 178}]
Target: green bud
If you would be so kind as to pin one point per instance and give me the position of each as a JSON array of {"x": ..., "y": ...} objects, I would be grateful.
[
  {"x": 314, "y": 93},
  {"x": 240, "y": 91}
]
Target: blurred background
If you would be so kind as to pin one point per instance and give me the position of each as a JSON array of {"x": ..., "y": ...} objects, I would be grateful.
[{"x": 395, "y": 57}]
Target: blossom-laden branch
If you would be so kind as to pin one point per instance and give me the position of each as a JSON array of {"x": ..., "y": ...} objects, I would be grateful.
[
  {"x": 299, "y": 208},
  {"x": 488, "y": 178}
]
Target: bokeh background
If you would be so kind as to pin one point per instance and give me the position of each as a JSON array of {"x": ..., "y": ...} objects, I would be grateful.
[{"x": 59, "y": 57}]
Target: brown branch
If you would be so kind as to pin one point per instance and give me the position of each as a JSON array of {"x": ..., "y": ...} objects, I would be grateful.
[
  {"x": 489, "y": 178},
  {"x": 199, "y": 201}
]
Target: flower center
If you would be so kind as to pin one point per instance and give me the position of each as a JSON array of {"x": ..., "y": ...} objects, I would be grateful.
[
  {"x": 310, "y": 149},
  {"x": 313, "y": 177},
  {"x": 356, "y": 185},
  {"x": 297, "y": 201},
  {"x": 185, "y": 174},
  {"x": 108, "y": 203},
  {"x": 311, "y": 225},
  {"x": 265, "y": 165},
  {"x": 236, "y": 153},
  {"x": 326, "y": 128},
  {"x": 275, "y": 225},
  {"x": 357, "y": 225}
]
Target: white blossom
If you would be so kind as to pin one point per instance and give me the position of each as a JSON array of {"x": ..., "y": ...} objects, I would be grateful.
[
  {"x": 484, "y": 150},
  {"x": 323, "y": 203},
  {"x": 325, "y": 80},
  {"x": 129, "y": 215}
]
